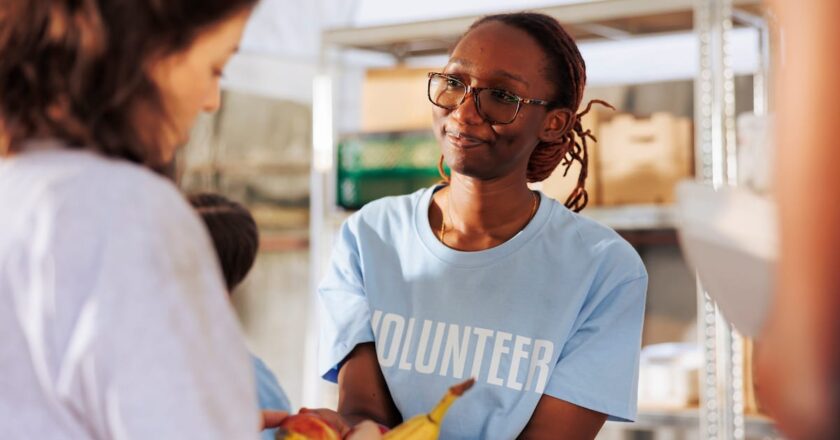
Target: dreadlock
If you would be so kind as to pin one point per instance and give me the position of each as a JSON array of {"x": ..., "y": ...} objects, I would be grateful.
[{"x": 567, "y": 70}]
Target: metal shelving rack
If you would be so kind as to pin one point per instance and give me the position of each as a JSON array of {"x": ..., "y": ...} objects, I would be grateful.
[
  {"x": 722, "y": 387},
  {"x": 721, "y": 415}
]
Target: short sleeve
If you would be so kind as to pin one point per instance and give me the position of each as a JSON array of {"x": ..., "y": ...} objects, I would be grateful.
[
  {"x": 345, "y": 311},
  {"x": 269, "y": 392},
  {"x": 598, "y": 367}
]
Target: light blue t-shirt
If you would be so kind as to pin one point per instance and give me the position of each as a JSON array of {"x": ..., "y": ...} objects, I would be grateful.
[
  {"x": 555, "y": 310},
  {"x": 269, "y": 392}
]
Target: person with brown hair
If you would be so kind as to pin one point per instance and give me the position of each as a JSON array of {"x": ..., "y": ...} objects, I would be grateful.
[
  {"x": 236, "y": 241},
  {"x": 483, "y": 277},
  {"x": 112, "y": 307}
]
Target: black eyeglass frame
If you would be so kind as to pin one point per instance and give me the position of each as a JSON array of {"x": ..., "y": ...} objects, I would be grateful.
[{"x": 475, "y": 91}]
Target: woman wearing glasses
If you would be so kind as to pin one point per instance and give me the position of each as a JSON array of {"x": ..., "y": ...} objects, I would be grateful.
[{"x": 482, "y": 277}]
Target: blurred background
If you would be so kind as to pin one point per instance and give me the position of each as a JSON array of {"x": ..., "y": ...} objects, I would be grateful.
[{"x": 325, "y": 109}]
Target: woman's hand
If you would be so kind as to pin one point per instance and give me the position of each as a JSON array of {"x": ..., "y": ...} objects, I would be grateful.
[
  {"x": 331, "y": 417},
  {"x": 366, "y": 430},
  {"x": 272, "y": 419}
]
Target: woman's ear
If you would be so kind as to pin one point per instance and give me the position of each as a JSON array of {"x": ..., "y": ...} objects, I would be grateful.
[{"x": 557, "y": 123}]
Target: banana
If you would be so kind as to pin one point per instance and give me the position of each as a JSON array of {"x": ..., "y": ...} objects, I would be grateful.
[
  {"x": 284, "y": 434},
  {"x": 427, "y": 426}
]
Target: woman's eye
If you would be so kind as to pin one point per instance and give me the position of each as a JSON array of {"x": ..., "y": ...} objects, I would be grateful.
[
  {"x": 504, "y": 97},
  {"x": 452, "y": 84}
]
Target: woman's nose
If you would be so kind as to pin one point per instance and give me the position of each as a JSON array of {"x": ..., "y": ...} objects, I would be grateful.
[
  {"x": 213, "y": 100},
  {"x": 467, "y": 113}
]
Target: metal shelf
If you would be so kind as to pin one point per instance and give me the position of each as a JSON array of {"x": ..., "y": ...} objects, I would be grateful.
[
  {"x": 588, "y": 20},
  {"x": 757, "y": 426},
  {"x": 633, "y": 217}
]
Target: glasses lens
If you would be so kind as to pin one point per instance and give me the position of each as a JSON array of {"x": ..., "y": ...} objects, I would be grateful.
[
  {"x": 446, "y": 92},
  {"x": 498, "y": 105}
]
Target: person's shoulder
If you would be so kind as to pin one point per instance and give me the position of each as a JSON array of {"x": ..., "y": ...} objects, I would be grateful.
[
  {"x": 109, "y": 191},
  {"x": 81, "y": 171},
  {"x": 595, "y": 241}
]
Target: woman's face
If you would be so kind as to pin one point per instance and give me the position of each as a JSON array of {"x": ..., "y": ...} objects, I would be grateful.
[
  {"x": 503, "y": 57},
  {"x": 189, "y": 80}
]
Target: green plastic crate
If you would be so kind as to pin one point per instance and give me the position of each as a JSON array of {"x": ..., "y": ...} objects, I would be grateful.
[{"x": 379, "y": 165}]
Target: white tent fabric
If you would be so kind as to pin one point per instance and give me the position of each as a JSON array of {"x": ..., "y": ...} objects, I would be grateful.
[
  {"x": 292, "y": 27},
  {"x": 375, "y": 12}
]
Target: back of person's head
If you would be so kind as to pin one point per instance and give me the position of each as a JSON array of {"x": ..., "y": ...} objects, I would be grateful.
[
  {"x": 234, "y": 234},
  {"x": 79, "y": 70}
]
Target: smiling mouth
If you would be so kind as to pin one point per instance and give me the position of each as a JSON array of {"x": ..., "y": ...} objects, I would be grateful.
[{"x": 461, "y": 140}]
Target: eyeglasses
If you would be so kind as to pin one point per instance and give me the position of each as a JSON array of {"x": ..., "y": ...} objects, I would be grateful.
[{"x": 496, "y": 106}]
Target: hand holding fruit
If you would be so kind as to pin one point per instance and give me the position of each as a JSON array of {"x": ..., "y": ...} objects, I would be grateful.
[
  {"x": 324, "y": 424},
  {"x": 308, "y": 424},
  {"x": 272, "y": 418}
]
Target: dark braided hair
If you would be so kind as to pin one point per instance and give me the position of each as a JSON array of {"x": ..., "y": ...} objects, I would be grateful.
[{"x": 567, "y": 70}]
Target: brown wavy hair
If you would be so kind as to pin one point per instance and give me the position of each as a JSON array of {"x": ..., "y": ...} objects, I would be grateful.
[
  {"x": 567, "y": 71},
  {"x": 76, "y": 70}
]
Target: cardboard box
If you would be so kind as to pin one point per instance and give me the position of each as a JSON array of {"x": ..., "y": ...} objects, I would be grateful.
[
  {"x": 396, "y": 99},
  {"x": 752, "y": 405},
  {"x": 559, "y": 187},
  {"x": 640, "y": 161}
]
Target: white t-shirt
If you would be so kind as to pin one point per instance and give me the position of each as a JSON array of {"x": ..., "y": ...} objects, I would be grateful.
[{"x": 113, "y": 316}]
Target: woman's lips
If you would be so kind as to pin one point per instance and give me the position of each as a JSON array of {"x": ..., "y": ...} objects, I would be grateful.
[{"x": 461, "y": 140}]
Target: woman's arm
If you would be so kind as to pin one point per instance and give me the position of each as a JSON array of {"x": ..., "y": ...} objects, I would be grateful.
[
  {"x": 556, "y": 419},
  {"x": 362, "y": 391}
]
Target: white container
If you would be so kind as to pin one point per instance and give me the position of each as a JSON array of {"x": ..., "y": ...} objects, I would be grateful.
[{"x": 669, "y": 376}]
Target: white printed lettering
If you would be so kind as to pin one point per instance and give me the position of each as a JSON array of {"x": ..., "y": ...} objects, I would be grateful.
[
  {"x": 454, "y": 352},
  {"x": 541, "y": 356},
  {"x": 390, "y": 321},
  {"x": 406, "y": 349},
  {"x": 500, "y": 348},
  {"x": 428, "y": 365},
  {"x": 519, "y": 354},
  {"x": 374, "y": 321},
  {"x": 478, "y": 356}
]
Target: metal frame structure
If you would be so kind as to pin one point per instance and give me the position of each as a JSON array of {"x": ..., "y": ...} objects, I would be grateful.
[
  {"x": 722, "y": 399},
  {"x": 722, "y": 379}
]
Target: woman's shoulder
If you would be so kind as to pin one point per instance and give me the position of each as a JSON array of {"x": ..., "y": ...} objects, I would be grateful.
[
  {"x": 104, "y": 191},
  {"x": 594, "y": 240}
]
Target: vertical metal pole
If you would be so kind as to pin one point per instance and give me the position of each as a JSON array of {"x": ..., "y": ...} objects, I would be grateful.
[
  {"x": 320, "y": 207},
  {"x": 707, "y": 330},
  {"x": 762, "y": 78},
  {"x": 722, "y": 398}
]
